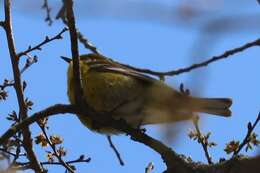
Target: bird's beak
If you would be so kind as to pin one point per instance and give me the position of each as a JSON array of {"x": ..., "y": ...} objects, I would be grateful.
[{"x": 68, "y": 60}]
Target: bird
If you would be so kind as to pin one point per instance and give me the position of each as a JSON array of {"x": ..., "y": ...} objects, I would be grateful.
[{"x": 138, "y": 98}]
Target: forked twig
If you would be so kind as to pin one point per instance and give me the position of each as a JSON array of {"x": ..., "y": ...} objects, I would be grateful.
[
  {"x": 202, "y": 139},
  {"x": 250, "y": 129}
]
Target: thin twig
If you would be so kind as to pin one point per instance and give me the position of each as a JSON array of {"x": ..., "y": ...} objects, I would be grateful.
[
  {"x": 81, "y": 159},
  {"x": 3, "y": 150},
  {"x": 46, "y": 7},
  {"x": 32, "y": 60},
  {"x": 250, "y": 129},
  {"x": 226, "y": 54},
  {"x": 149, "y": 168},
  {"x": 10, "y": 153},
  {"x": 202, "y": 139},
  {"x": 18, "y": 147},
  {"x": 6, "y": 83},
  {"x": 86, "y": 43},
  {"x": 62, "y": 13},
  {"x": 2, "y": 23},
  {"x": 45, "y": 41},
  {"x": 115, "y": 150},
  {"x": 57, "y": 155},
  {"x": 28, "y": 146}
]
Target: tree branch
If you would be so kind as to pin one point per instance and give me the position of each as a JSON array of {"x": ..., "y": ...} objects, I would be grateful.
[
  {"x": 29, "y": 61},
  {"x": 202, "y": 139},
  {"x": 87, "y": 44},
  {"x": 10, "y": 153},
  {"x": 169, "y": 156},
  {"x": 115, "y": 150},
  {"x": 226, "y": 54},
  {"x": 52, "y": 110},
  {"x": 79, "y": 160},
  {"x": 173, "y": 161},
  {"x": 45, "y": 41},
  {"x": 149, "y": 168},
  {"x": 250, "y": 129},
  {"x": 18, "y": 88},
  {"x": 62, "y": 15},
  {"x": 2, "y": 24},
  {"x": 46, "y": 7},
  {"x": 74, "y": 50},
  {"x": 58, "y": 156}
]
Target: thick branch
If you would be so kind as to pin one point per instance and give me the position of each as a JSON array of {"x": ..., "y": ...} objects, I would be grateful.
[
  {"x": 169, "y": 156},
  {"x": 174, "y": 162},
  {"x": 74, "y": 50},
  {"x": 18, "y": 88},
  {"x": 238, "y": 165},
  {"x": 52, "y": 110}
]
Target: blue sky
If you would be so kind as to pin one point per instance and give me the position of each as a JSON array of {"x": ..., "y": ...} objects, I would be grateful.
[{"x": 148, "y": 42}]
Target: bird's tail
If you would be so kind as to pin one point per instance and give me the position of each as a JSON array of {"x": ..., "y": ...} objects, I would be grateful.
[{"x": 216, "y": 106}]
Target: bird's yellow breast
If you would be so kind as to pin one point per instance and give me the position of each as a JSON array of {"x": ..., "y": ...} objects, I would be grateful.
[{"x": 107, "y": 92}]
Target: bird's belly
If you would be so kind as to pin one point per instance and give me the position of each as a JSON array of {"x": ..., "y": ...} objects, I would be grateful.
[{"x": 117, "y": 95}]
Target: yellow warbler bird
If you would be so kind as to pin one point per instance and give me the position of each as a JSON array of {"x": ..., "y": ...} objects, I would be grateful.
[{"x": 139, "y": 99}]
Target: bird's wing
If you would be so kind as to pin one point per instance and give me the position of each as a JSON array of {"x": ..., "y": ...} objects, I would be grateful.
[
  {"x": 112, "y": 66},
  {"x": 123, "y": 92}
]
